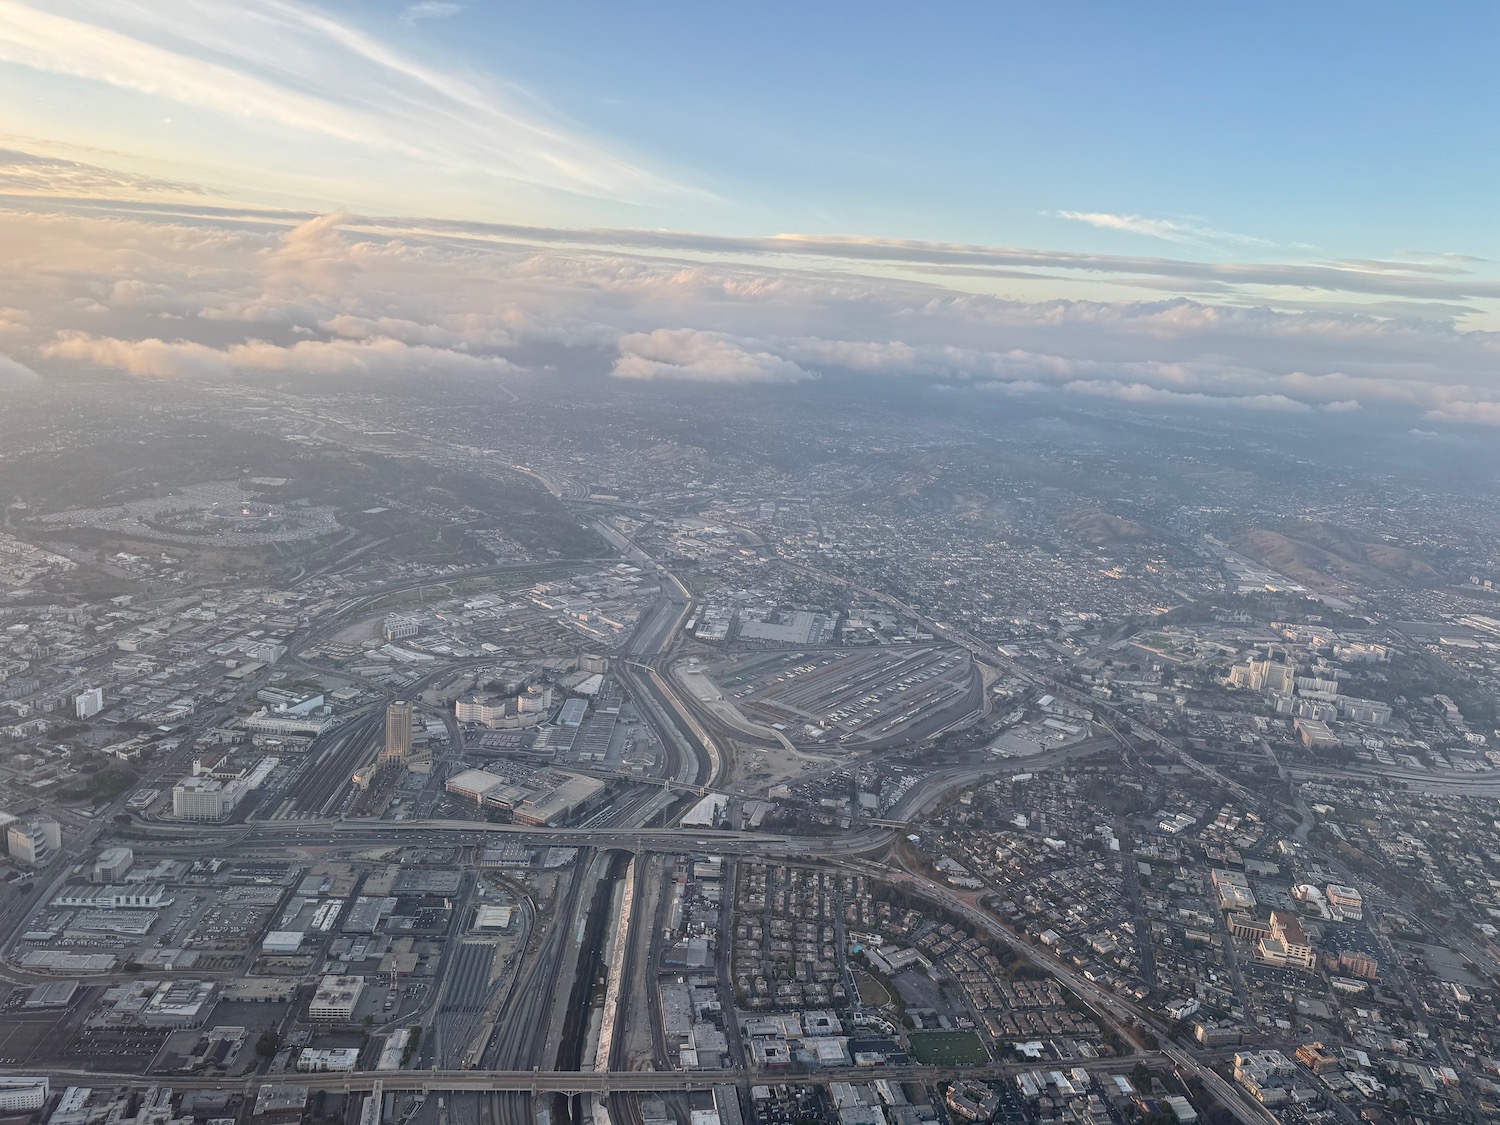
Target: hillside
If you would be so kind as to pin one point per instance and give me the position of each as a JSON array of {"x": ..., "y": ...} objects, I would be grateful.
[{"x": 1331, "y": 559}]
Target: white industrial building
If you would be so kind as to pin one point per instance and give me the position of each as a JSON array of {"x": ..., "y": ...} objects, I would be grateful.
[{"x": 282, "y": 941}]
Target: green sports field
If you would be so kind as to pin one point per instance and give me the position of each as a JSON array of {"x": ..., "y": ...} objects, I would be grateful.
[{"x": 948, "y": 1048}]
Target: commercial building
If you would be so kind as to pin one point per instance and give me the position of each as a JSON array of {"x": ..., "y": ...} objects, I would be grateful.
[
  {"x": 206, "y": 798},
  {"x": 1345, "y": 903},
  {"x": 111, "y": 865},
  {"x": 1316, "y": 734},
  {"x": 21, "y": 1095},
  {"x": 280, "y": 1103},
  {"x": 266, "y": 721},
  {"x": 534, "y": 700},
  {"x": 87, "y": 704},
  {"x": 291, "y": 703},
  {"x": 473, "y": 785},
  {"x": 335, "y": 999},
  {"x": 1234, "y": 890},
  {"x": 34, "y": 840},
  {"x": 1372, "y": 711},
  {"x": 563, "y": 803},
  {"x": 179, "y": 1003},
  {"x": 282, "y": 942},
  {"x": 397, "y": 732},
  {"x": 1287, "y": 943},
  {"x": 1317, "y": 1058},
  {"x": 1264, "y": 1075},
  {"x": 398, "y": 628},
  {"x": 139, "y": 896},
  {"x": 472, "y": 708},
  {"x": 573, "y": 712},
  {"x": 327, "y": 1059}
]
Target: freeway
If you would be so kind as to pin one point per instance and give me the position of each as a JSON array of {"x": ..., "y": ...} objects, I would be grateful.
[
  {"x": 589, "y": 1081},
  {"x": 697, "y": 758},
  {"x": 290, "y": 835}
]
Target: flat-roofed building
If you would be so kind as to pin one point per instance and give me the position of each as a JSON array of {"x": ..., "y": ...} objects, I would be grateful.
[
  {"x": 111, "y": 865},
  {"x": 1234, "y": 890},
  {"x": 327, "y": 1058},
  {"x": 21, "y": 1095},
  {"x": 205, "y": 798},
  {"x": 1287, "y": 943},
  {"x": 87, "y": 704},
  {"x": 179, "y": 1003},
  {"x": 562, "y": 803},
  {"x": 336, "y": 999},
  {"x": 473, "y": 785},
  {"x": 1317, "y": 735},
  {"x": 1345, "y": 903}
]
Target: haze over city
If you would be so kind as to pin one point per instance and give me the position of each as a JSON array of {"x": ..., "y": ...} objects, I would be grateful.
[{"x": 800, "y": 565}]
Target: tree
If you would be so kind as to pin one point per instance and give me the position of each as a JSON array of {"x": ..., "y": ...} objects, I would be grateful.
[
  {"x": 268, "y": 1043},
  {"x": 1141, "y": 1078}
]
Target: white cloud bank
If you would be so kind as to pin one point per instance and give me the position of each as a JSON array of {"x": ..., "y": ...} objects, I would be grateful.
[
  {"x": 186, "y": 359},
  {"x": 196, "y": 298},
  {"x": 705, "y": 357}
]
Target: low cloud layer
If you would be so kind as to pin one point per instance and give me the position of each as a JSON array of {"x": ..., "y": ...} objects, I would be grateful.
[
  {"x": 705, "y": 357},
  {"x": 338, "y": 295},
  {"x": 185, "y": 359}
]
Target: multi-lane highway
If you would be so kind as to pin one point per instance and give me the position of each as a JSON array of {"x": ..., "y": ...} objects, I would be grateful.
[{"x": 540, "y": 1081}]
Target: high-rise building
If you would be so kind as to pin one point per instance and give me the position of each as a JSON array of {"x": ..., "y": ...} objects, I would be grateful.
[
  {"x": 397, "y": 731},
  {"x": 87, "y": 704},
  {"x": 34, "y": 840}
]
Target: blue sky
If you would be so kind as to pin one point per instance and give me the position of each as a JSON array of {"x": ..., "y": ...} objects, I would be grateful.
[
  {"x": 1361, "y": 128},
  {"x": 1284, "y": 206},
  {"x": 1332, "y": 130}
]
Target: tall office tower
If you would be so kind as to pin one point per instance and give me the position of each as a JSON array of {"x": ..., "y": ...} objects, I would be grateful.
[{"x": 397, "y": 731}]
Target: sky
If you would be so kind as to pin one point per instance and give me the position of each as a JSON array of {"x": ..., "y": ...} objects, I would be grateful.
[{"x": 1287, "y": 207}]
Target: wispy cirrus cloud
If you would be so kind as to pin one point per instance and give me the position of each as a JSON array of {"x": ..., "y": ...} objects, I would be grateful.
[
  {"x": 431, "y": 10},
  {"x": 301, "y": 74},
  {"x": 1171, "y": 230}
]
